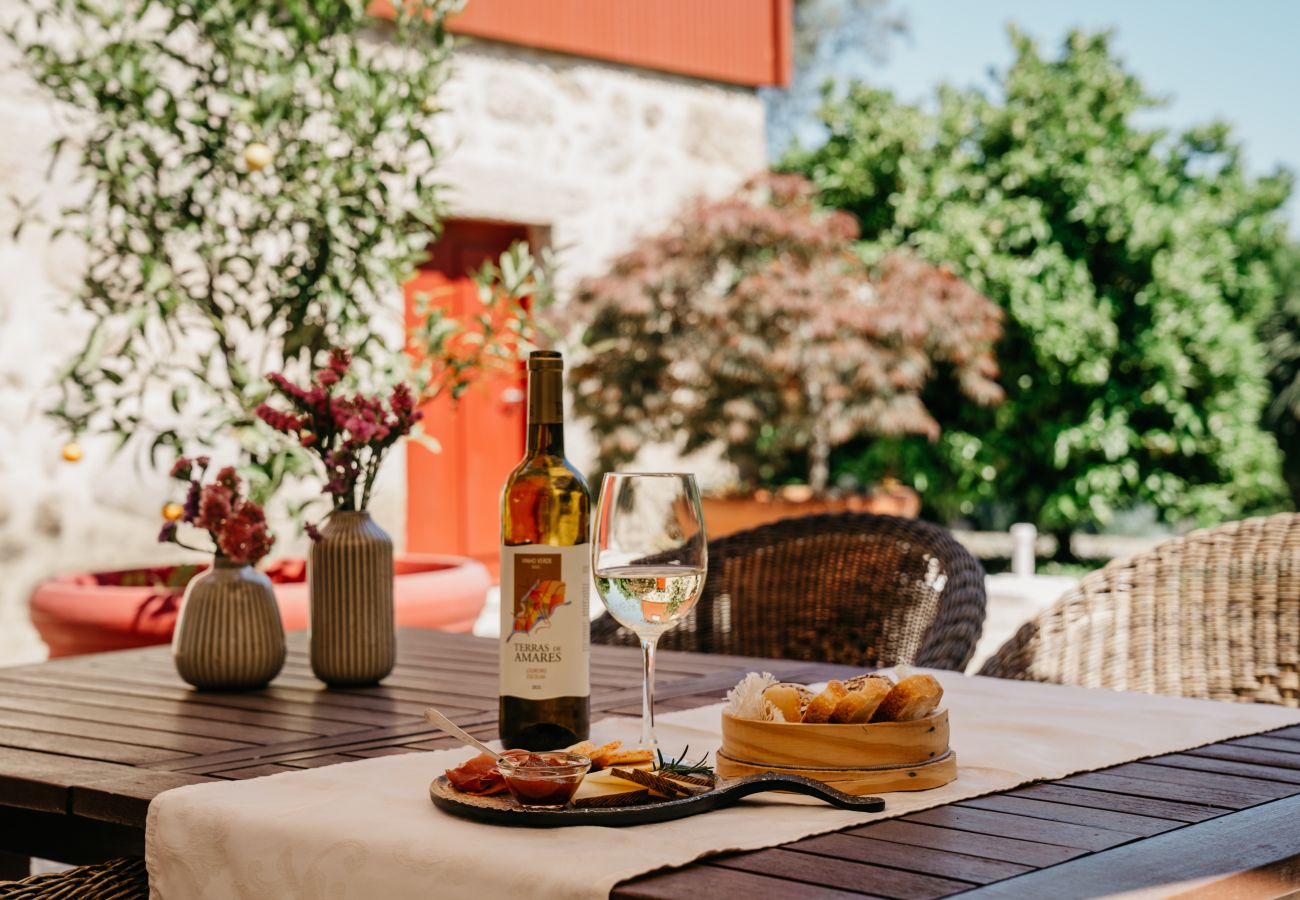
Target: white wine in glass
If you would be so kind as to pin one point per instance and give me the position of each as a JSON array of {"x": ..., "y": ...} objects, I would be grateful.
[{"x": 650, "y": 557}]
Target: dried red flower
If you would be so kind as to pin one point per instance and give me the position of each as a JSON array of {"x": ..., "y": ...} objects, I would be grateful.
[
  {"x": 236, "y": 525},
  {"x": 350, "y": 433}
]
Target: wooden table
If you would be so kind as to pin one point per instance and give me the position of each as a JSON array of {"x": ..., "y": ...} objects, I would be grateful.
[{"x": 86, "y": 742}]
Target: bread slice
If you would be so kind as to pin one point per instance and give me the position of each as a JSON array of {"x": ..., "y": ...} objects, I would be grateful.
[
  {"x": 820, "y": 708},
  {"x": 859, "y": 706},
  {"x": 857, "y": 682},
  {"x": 915, "y": 697},
  {"x": 786, "y": 698}
]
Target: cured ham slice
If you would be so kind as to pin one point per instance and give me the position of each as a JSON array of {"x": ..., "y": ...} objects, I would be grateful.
[{"x": 478, "y": 776}]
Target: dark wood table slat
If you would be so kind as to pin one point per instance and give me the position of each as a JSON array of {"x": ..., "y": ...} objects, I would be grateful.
[
  {"x": 272, "y": 699},
  {"x": 1255, "y": 788},
  {"x": 842, "y": 874},
  {"x": 255, "y": 707},
  {"x": 1228, "y": 767},
  {"x": 43, "y": 781},
  {"x": 1112, "y": 820},
  {"x": 1162, "y": 790},
  {"x": 119, "y": 730},
  {"x": 256, "y": 771},
  {"x": 82, "y": 747},
  {"x": 1159, "y": 807},
  {"x": 124, "y": 799},
  {"x": 1250, "y": 854},
  {"x": 372, "y": 752},
  {"x": 710, "y": 881},
  {"x": 1271, "y": 742},
  {"x": 137, "y": 715},
  {"x": 1269, "y": 758},
  {"x": 1011, "y": 825},
  {"x": 989, "y": 846},
  {"x": 316, "y": 762}
]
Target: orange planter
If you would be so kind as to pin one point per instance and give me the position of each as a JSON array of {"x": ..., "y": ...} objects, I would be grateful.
[{"x": 96, "y": 612}]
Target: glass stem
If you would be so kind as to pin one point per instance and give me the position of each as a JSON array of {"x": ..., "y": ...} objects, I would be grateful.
[{"x": 648, "y": 693}]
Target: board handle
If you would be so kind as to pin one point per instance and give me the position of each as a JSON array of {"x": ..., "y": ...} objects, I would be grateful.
[{"x": 731, "y": 790}]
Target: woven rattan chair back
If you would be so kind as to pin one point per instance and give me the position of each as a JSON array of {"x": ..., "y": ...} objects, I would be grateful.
[
  {"x": 848, "y": 588},
  {"x": 1214, "y": 614},
  {"x": 117, "y": 879}
]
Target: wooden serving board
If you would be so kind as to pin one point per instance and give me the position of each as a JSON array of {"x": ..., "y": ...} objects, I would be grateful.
[
  {"x": 855, "y": 781},
  {"x": 799, "y": 745}
]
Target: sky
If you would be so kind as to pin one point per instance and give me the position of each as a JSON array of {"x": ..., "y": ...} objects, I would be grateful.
[{"x": 1237, "y": 60}]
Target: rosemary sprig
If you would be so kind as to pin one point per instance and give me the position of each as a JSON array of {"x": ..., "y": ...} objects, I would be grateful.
[{"x": 680, "y": 766}]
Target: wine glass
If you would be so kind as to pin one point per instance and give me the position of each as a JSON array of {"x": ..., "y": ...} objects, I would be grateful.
[{"x": 649, "y": 559}]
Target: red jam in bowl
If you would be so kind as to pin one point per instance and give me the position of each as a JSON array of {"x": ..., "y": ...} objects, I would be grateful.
[{"x": 543, "y": 780}]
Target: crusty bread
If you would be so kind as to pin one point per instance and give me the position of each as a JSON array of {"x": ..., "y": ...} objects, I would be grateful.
[
  {"x": 820, "y": 708},
  {"x": 915, "y": 697},
  {"x": 858, "y": 682},
  {"x": 786, "y": 698},
  {"x": 859, "y": 706}
]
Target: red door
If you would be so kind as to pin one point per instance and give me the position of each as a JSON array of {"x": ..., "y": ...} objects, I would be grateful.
[{"x": 453, "y": 497}]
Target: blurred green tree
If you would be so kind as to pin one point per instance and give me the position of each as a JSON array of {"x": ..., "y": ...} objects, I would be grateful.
[{"x": 1135, "y": 268}]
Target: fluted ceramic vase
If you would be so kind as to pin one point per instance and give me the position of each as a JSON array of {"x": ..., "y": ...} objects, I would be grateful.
[
  {"x": 350, "y": 578},
  {"x": 229, "y": 635}
]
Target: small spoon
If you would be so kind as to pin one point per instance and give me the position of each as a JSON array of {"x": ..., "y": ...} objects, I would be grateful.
[{"x": 434, "y": 717}]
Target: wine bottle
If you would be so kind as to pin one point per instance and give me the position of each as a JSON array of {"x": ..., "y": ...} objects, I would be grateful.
[{"x": 545, "y": 577}]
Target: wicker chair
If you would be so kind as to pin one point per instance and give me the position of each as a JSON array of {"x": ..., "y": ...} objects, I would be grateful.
[
  {"x": 848, "y": 588},
  {"x": 1214, "y": 614},
  {"x": 117, "y": 879}
]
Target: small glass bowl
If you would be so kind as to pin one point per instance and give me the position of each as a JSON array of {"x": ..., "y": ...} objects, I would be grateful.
[{"x": 543, "y": 780}]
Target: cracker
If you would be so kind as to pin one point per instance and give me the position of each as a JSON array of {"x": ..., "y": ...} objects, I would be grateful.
[
  {"x": 598, "y": 755},
  {"x": 627, "y": 758}
]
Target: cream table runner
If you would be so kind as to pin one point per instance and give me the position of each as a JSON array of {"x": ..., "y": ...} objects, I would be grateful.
[{"x": 367, "y": 829}]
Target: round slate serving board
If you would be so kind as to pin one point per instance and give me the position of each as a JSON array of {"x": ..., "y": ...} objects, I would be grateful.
[{"x": 500, "y": 809}]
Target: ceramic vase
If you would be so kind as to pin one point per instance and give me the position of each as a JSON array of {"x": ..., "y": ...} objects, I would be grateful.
[
  {"x": 350, "y": 578},
  {"x": 229, "y": 636}
]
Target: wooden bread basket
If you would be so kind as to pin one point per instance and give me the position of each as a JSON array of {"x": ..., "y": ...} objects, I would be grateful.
[{"x": 856, "y": 759}]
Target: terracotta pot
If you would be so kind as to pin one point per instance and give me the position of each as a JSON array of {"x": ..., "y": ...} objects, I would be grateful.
[
  {"x": 95, "y": 612},
  {"x": 350, "y": 577},
  {"x": 727, "y": 515},
  {"x": 229, "y": 636}
]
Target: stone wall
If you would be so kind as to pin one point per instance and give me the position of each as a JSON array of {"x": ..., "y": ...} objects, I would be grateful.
[{"x": 592, "y": 153}]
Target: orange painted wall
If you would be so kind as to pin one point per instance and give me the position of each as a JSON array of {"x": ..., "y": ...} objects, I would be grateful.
[{"x": 743, "y": 42}]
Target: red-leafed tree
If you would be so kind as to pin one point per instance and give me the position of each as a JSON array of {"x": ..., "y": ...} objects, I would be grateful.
[{"x": 753, "y": 323}]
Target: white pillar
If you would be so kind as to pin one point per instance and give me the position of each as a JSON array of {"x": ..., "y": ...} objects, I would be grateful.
[{"x": 1023, "y": 538}]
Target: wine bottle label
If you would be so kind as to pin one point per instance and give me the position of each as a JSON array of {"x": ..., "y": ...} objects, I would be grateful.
[{"x": 545, "y": 624}]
